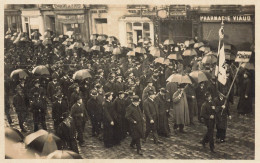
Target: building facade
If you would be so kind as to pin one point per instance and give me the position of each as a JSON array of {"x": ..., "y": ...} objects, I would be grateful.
[{"x": 12, "y": 18}]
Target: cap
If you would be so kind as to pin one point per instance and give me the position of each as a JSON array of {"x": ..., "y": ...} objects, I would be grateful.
[
  {"x": 207, "y": 94},
  {"x": 135, "y": 98},
  {"x": 149, "y": 80},
  {"x": 121, "y": 92},
  {"x": 98, "y": 86},
  {"x": 163, "y": 90},
  {"x": 108, "y": 94},
  {"x": 150, "y": 92},
  {"x": 93, "y": 92}
]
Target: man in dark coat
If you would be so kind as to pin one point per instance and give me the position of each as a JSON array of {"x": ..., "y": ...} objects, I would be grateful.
[
  {"x": 152, "y": 116},
  {"x": 135, "y": 117},
  {"x": 37, "y": 88},
  {"x": 79, "y": 115},
  {"x": 163, "y": 110},
  {"x": 109, "y": 118},
  {"x": 245, "y": 101},
  {"x": 67, "y": 133},
  {"x": 209, "y": 115},
  {"x": 120, "y": 108},
  {"x": 20, "y": 107},
  {"x": 200, "y": 95},
  {"x": 74, "y": 96},
  {"x": 119, "y": 85},
  {"x": 222, "y": 114},
  {"x": 192, "y": 102},
  {"x": 59, "y": 107},
  {"x": 39, "y": 108},
  {"x": 52, "y": 89},
  {"x": 94, "y": 108}
]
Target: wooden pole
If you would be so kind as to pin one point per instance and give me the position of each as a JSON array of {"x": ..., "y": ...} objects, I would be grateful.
[{"x": 226, "y": 100}]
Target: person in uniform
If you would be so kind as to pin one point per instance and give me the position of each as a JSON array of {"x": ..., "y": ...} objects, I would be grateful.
[
  {"x": 135, "y": 117},
  {"x": 79, "y": 115},
  {"x": 200, "y": 95},
  {"x": 208, "y": 113}
]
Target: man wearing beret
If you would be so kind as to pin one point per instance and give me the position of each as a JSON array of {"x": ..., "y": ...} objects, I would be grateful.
[
  {"x": 135, "y": 117},
  {"x": 152, "y": 116},
  {"x": 79, "y": 115}
]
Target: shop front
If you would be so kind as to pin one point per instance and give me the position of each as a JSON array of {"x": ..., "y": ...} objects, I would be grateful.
[
  {"x": 12, "y": 20},
  {"x": 72, "y": 19},
  {"x": 238, "y": 30}
]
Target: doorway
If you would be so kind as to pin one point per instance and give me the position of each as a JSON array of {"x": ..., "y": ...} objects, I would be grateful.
[{"x": 138, "y": 34}]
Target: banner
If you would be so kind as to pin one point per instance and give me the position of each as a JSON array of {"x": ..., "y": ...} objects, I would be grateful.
[
  {"x": 222, "y": 77},
  {"x": 243, "y": 56}
]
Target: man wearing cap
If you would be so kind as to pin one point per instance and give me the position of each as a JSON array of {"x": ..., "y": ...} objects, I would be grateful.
[
  {"x": 59, "y": 107},
  {"x": 109, "y": 120},
  {"x": 208, "y": 113},
  {"x": 76, "y": 93},
  {"x": 101, "y": 93},
  {"x": 200, "y": 95},
  {"x": 134, "y": 116},
  {"x": 79, "y": 115},
  {"x": 222, "y": 114},
  {"x": 163, "y": 110},
  {"x": 120, "y": 108},
  {"x": 94, "y": 108},
  {"x": 20, "y": 107},
  {"x": 37, "y": 88},
  {"x": 148, "y": 88},
  {"x": 39, "y": 108},
  {"x": 52, "y": 88},
  {"x": 152, "y": 116},
  {"x": 119, "y": 85}
]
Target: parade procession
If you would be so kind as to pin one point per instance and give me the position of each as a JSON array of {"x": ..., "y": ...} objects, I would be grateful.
[{"x": 129, "y": 81}]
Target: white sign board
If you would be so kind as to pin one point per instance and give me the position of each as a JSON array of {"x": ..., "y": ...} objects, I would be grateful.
[{"x": 243, "y": 56}]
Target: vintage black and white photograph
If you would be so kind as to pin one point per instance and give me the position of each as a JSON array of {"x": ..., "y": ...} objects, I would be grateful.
[{"x": 129, "y": 81}]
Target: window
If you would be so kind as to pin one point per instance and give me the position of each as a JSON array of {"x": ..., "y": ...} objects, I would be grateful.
[
  {"x": 101, "y": 26},
  {"x": 76, "y": 28},
  {"x": 136, "y": 29}
]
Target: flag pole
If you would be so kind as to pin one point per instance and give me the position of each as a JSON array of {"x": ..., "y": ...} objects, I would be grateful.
[{"x": 226, "y": 97}]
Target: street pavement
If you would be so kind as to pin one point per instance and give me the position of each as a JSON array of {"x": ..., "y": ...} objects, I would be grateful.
[{"x": 240, "y": 142}]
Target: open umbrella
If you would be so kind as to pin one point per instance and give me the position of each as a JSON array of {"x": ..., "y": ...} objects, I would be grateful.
[
  {"x": 69, "y": 33},
  {"x": 156, "y": 52},
  {"x": 159, "y": 60},
  {"x": 96, "y": 48},
  {"x": 13, "y": 134},
  {"x": 69, "y": 39},
  {"x": 56, "y": 39},
  {"x": 19, "y": 73},
  {"x": 131, "y": 53},
  {"x": 168, "y": 42},
  {"x": 209, "y": 59},
  {"x": 42, "y": 142},
  {"x": 62, "y": 36},
  {"x": 81, "y": 74},
  {"x": 8, "y": 37},
  {"x": 140, "y": 50},
  {"x": 187, "y": 43},
  {"x": 93, "y": 36},
  {"x": 109, "y": 49},
  {"x": 208, "y": 74},
  {"x": 166, "y": 62},
  {"x": 179, "y": 78},
  {"x": 151, "y": 48},
  {"x": 116, "y": 51},
  {"x": 249, "y": 66},
  {"x": 198, "y": 44},
  {"x": 78, "y": 45},
  {"x": 175, "y": 57},
  {"x": 41, "y": 70},
  {"x": 189, "y": 52},
  {"x": 204, "y": 49},
  {"x": 36, "y": 42},
  {"x": 198, "y": 76},
  {"x": 47, "y": 41},
  {"x": 87, "y": 48},
  {"x": 63, "y": 154}
]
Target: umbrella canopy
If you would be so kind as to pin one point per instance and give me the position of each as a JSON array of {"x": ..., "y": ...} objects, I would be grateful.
[
  {"x": 208, "y": 74},
  {"x": 8, "y": 36},
  {"x": 198, "y": 76},
  {"x": 209, "y": 59},
  {"x": 36, "y": 42},
  {"x": 198, "y": 44},
  {"x": 41, "y": 70},
  {"x": 13, "y": 134},
  {"x": 168, "y": 42},
  {"x": 46, "y": 42},
  {"x": 109, "y": 49},
  {"x": 93, "y": 36},
  {"x": 140, "y": 50},
  {"x": 63, "y": 154},
  {"x": 78, "y": 45},
  {"x": 159, "y": 60},
  {"x": 101, "y": 38},
  {"x": 13, "y": 38},
  {"x": 131, "y": 53},
  {"x": 249, "y": 66},
  {"x": 187, "y": 43},
  {"x": 151, "y": 48},
  {"x": 189, "y": 52},
  {"x": 67, "y": 43},
  {"x": 62, "y": 36},
  {"x": 81, "y": 74},
  {"x": 56, "y": 39},
  {"x": 166, "y": 62},
  {"x": 156, "y": 52},
  {"x": 87, "y": 48},
  {"x": 42, "y": 142},
  {"x": 204, "y": 49},
  {"x": 19, "y": 73},
  {"x": 175, "y": 57},
  {"x": 69, "y": 33},
  {"x": 69, "y": 39},
  {"x": 95, "y": 47},
  {"x": 47, "y": 34},
  {"x": 179, "y": 78},
  {"x": 116, "y": 51}
]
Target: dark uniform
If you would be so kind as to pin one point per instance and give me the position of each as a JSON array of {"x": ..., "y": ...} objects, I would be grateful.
[
  {"x": 206, "y": 112},
  {"x": 59, "y": 107},
  {"x": 39, "y": 108},
  {"x": 20, "y": 108}
]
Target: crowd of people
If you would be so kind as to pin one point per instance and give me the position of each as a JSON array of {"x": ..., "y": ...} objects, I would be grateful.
[{"x": 125, "y": 91}]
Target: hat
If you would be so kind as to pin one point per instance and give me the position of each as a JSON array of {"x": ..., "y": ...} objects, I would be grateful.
[
  {"x": 108, "y": 94},
  {"x": 18, "y": 88},
  {"x": 130, "y": 93},
  {"x": 135, "y": 98},
  {"x": 150, "y": 92},
  {"x": 100, "y": 70},
  {"x": 163, "y": 90},
  {"x": 149, "y": 80},
  {"x": 36, "y": 94},
  {"x": 207, "y": 94},
  {"x": 78, "y": 98},
  {"x": 98, "y": 86},
  {"x": 121, "y": 92},
  {"x": 37, "y": 81},
  {"x": 93, "y": 92}
]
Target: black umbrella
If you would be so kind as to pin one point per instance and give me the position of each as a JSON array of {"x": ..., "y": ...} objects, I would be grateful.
[
  {"x": 63, "y": 154},
  {"x": 13, "y": 134}
]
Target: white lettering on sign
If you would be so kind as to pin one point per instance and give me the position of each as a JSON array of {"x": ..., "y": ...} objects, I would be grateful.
[
  {"x": 243, "y": 56},
  {"x": 226, "y": 18}
]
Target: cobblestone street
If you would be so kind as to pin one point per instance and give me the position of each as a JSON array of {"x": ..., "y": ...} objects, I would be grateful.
[{"x": 240, "y": 142}]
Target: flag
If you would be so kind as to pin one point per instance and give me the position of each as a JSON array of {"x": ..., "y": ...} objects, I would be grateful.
[{"x": 220, "y": 67}]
